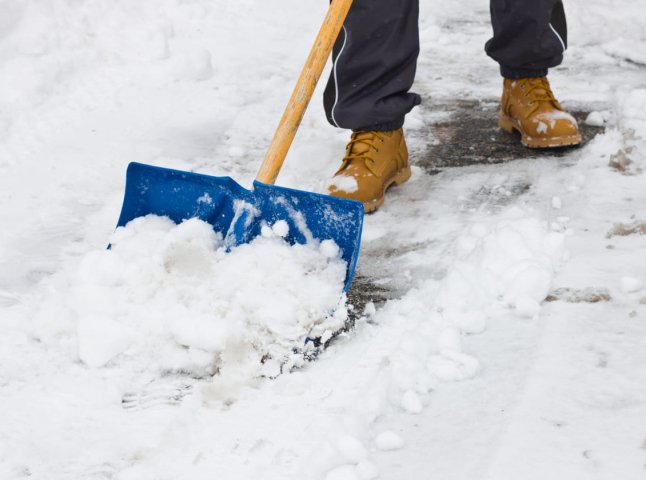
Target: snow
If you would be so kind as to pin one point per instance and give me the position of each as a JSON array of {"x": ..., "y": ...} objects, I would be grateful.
[
  {"x": 344, "y": 183},
  {"x": 367, "y": 470},
  {"x": 462, "y": 370},
  {"x": 389, "y": 441},
  {"x": 411, "y": 402},
  {"x": 168, "y": 298},
  {"x": 346, "y": 472},
  {"x": 352, "y": 449},
  {"x": 542, "y": 127},
  {"x": 631, "y": 284},
  {"x": 595, "y": 119},
  {"x": 281, "y": 228},
  {"x": 551, "y": 118}
]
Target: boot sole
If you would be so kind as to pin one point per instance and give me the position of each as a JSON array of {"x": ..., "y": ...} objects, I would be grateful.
[
  {"x": 508, "y": 124},
  {"x": 401, "y": 177}
]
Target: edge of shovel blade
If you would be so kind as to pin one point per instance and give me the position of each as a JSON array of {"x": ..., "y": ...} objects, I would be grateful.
[{"x": 180, "y": 195}]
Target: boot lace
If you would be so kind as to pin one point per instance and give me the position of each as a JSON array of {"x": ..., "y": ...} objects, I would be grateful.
[
  {"x": 538, "y": 90},
  {"x": 366, "y": 155}
]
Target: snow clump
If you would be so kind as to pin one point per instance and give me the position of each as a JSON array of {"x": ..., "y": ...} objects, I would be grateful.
[{"x": 389, "y": 441}]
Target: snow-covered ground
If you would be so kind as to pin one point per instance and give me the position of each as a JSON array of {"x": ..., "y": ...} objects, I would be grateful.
[{"x": 512, "y": 343}]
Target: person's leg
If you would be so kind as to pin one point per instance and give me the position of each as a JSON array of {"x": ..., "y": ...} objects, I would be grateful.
[
  {"x": 529, "y": 37},
  {"x": 374, "y": 66}
]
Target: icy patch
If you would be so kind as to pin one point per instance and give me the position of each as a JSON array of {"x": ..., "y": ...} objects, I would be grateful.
[{"x": 169, "y": 298}]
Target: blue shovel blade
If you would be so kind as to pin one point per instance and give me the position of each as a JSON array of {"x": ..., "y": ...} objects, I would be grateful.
[{"x": 238, "y": 213}]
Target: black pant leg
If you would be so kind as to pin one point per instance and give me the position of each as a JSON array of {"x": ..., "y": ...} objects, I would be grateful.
[
  {"x": 375, "y": 58},
  {"x": 529, "y": 36}
]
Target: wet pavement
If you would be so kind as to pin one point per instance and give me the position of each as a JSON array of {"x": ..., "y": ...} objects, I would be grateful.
[{"x": 469, "y": 134}]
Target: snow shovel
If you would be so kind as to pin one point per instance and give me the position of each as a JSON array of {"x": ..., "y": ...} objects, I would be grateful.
[{"x": 237, "y": 213}]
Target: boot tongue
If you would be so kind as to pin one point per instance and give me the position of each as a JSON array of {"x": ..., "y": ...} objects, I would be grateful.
[
  {"x": 359, "y": 147},
  {"x": 541, "y": 91}
]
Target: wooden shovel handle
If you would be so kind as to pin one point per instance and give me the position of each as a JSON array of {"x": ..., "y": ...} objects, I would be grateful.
[{"x": 303, "y": 91}]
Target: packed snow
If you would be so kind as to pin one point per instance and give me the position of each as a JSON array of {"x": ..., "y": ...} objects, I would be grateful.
[{"x": 504, "y": 340}]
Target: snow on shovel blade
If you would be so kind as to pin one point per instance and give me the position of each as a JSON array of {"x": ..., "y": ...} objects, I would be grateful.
[{"x": 238, "y": 213}]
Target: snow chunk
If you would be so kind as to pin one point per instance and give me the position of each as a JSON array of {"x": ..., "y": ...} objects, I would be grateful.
[
  {"x": 367, "y": 470},
  {"x": 346, "y": 472},
  {"x": 449, "y": 339},
  {"x": 351, "y": 449},
  {"x": 280, "y": 228},
  {"x": 527, "y": 306},
  {"x": 411, "y": 402},
  {"x": 344, "y": 183},
  {"x": 330, "y": 249},
  {"x": 542, "y": 127},
  {"x": 595, "y": 119},
  {"x": 452, "y": 366},
  {"x": 631, "y": 285},
  {"x": 101, "y": 339},
  {"x": 389, "y": 441},
  {"x": 552, "y": 116}
]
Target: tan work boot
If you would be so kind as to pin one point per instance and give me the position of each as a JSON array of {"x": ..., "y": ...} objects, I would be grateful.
[
  {"x": 528, "y": 105},
  {"x": 373, "y": 162}
]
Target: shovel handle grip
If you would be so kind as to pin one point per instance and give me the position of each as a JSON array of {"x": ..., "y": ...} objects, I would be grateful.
[{"x": 303, "y": 91}]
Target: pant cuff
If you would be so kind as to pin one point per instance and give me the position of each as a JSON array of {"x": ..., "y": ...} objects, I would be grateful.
[
  {"x": 382, "y": 127},
  {"x": 518, "y": 73}
]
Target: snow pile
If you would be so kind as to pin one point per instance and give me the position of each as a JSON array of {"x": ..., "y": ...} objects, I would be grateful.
[
  {"x": 500, "y": 268},
  {"x": 169, "y": 298}
]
